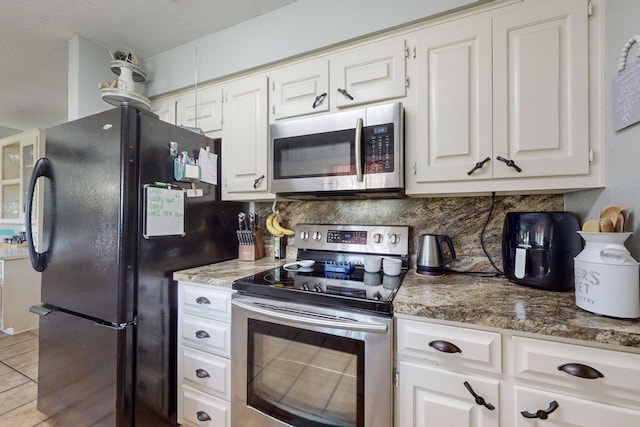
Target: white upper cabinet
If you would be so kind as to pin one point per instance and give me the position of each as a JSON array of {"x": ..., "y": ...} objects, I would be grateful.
[
  {"x": 201, "y": 109},
  {"x": 454, "y": 109},
  {"x": 501, "y": 102},
  {"x": 299, "y": 89},
  {"x": 244, "y": 140},
  {"x": 165, "y": 108},
  {"x": 369, "y": 73},
  {"x": 541, "y": 89}
]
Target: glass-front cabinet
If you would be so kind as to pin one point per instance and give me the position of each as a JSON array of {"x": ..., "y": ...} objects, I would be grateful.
[{"x": 18, "y": 153}]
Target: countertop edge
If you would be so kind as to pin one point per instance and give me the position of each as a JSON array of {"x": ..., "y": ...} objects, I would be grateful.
[{"x": 468, "y": 300}]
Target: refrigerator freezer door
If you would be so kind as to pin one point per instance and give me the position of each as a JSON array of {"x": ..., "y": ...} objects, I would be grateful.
[{"x": 85, "y": 376}]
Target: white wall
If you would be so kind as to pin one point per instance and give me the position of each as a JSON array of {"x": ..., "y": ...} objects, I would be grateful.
[
  {"x": 88, "y": 65},
  {"x": 623, "y": 147},
  {"x": 300, "y": 27}
]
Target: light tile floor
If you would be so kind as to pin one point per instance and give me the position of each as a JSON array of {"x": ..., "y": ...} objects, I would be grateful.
[{"x": 18, "y": 381}]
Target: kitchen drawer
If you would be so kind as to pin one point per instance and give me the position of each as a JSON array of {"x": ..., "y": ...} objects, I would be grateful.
[
  {"x": 206, "y": 302},
  {"x": 200, "y": 409},
  {"x": 460, "y": 347},
  {"x": 571, "y": 411},
  {"x": 207, "y": 335},
  {"x": 539, "y": 361},
  {"x": 211, "y": 374}
]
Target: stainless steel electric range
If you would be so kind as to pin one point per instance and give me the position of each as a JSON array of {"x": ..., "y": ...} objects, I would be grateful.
[{"x": 312, "y": 342}]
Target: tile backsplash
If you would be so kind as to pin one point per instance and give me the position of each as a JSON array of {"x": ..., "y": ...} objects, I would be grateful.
[{"x": 462, "y": 218}]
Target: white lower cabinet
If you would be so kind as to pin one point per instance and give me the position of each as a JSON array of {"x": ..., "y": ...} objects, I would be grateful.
[
  {"x": 454, "y": 376},
  {"x": 435, "y": 397},
  {"x": 447, "y": 376},
  {"x": 204, "y": 366},
  {"x": 19, "y": 290}
]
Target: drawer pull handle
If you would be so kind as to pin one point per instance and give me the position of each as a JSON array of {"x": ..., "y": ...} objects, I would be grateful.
[
  {"x": 201, "y": 373},
  {"x": 542, "y": 414},
  {"x": 202, "y": 416},
  {"x": 445, "y": 346},
  {"x": 581, "y": 371},
  {"x": 202, "y": 334},
  {"x": 202, "y": 300},
  {"x": 479, "y": 399}
]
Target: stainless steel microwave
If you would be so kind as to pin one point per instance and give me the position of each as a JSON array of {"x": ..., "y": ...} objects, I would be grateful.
[{"x": 350, "y": 154}]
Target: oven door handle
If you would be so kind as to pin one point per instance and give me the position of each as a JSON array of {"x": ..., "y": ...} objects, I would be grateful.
[
  {"x": 336, "y": 324},
  {"x": 359, "y": 125}
]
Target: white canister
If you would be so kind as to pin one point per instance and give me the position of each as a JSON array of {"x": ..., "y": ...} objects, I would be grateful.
[{"x": 607, "y": 278}]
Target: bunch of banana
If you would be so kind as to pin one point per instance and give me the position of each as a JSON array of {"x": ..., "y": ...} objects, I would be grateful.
[{"x": 273, "y": 225}]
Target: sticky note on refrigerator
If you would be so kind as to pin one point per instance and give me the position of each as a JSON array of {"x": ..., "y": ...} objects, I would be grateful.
[{"x": 208, "y": 166}]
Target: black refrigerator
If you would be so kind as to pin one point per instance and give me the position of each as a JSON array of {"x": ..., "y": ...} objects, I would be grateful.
[{"x": 108, "y": 325}]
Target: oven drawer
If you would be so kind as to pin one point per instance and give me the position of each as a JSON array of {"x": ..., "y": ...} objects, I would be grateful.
[
  {"x": 212, "y": 374},
  {"x": 200, "y": 409},
  {"x": 207, "y": 302},
  {"x": 453, "y": 346},
  {"x": 207, "y": 335}
]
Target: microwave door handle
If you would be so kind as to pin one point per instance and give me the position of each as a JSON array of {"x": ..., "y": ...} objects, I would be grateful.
[{"x": 359, "y": 125}]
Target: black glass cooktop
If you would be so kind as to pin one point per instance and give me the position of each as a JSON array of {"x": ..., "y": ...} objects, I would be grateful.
[{"x": 351, "y": 289}]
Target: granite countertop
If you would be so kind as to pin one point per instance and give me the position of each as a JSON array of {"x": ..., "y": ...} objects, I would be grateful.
[{"x": 489, "y": 302}]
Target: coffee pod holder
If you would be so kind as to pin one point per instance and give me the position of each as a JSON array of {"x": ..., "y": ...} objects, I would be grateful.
[{"x": 251, "y": 245}]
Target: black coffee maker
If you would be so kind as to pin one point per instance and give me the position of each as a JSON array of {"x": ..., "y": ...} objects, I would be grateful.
[{"x": 538, "y": 249}]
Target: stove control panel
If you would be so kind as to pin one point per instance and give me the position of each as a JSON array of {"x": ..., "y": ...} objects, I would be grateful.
[{"x": 369, "y": 239}]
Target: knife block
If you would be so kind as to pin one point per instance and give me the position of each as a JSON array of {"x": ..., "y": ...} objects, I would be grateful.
[{"x": 252, "y": 252}]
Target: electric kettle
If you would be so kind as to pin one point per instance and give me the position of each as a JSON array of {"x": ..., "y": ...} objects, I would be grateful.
[{"x": 430, "y": 259}]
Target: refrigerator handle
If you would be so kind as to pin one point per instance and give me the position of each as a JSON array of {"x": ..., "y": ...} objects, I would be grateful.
[{"x": 42, "y": 168}]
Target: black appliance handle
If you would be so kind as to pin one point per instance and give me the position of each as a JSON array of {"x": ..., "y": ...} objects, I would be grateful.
[
  {"x": 42, "y": 168},
  {"x": 358, "y": 148},
  {"x": 446, "y": 239}
]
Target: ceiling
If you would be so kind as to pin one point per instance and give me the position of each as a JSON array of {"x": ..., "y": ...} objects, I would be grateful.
[{"x": 33, "y": 46}]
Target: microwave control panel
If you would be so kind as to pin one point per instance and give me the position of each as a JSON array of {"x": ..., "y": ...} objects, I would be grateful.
[{"x": 379, "y": 148}]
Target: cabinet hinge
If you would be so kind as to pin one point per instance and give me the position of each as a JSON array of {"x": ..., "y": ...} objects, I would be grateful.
[
  {"x": 414, "y": 168},
  {"x": 406, "y": 81},
  {"x": 273, "y": 109},
  {"x": 591, "y": 155},
  {"x": 396, "y": 379},
  {"x": 406, "y": 51},
  {"x": 273, "y": 85},
  {"x": 590, "y": 9}
]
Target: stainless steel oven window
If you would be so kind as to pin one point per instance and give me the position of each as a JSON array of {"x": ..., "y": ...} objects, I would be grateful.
[
  {"x": 374, "y": 332},
  {"x": 305, "y": 378}
]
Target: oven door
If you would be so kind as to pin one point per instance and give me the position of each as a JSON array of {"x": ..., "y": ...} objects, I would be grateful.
[{"x": 302, "y": 365}]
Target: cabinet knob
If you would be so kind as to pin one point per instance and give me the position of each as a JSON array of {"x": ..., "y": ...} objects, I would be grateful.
[
  {"x": 541, "y": 413},
  {"x": 581, "y": 371},
  {"x": 201, "y": 373},
  {"x": 319, "y": 99},
  {"x": 479, "y": 399},
  {"x": 445, "y": 346},
  {"x": 202, "y": 300},
  {"x": 509, "y": 163},
  {"x": 200, "y": 334},
  {"x": 478, "y": 165},
  {"x": 202, "y": 416}
]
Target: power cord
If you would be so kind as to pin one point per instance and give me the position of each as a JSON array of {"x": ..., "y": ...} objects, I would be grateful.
[{"x": 497, "y": 272}]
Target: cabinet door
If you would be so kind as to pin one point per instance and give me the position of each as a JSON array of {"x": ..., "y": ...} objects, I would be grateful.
[
  {"x": 453, "y": 102},
  {"x": 300, "y": 89},
  {"x": 541, "y": 91},
  {"x": 244, "y": 141},
  {"x": 165, "y": 109},
  {"x": 570, "y": 412},
  {"x": 432, "y": 397},
  {"x": 369, "y": 73},
  {"x": 201, "y": 108}
]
